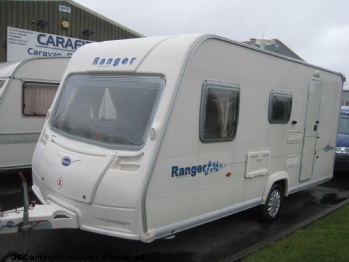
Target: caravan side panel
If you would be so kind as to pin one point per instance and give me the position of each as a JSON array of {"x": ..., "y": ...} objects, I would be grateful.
[
  {"x": 30, "y": 88},
  {"x": 181, "y": 194}
]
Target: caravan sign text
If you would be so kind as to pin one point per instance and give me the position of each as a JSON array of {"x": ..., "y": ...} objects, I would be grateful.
[{"x": 23, "y": 44}]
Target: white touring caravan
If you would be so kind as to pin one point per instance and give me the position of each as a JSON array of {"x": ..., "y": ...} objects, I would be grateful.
[
  {"x": 27, "y": 89},
  {"x": 147, "y": 137}
]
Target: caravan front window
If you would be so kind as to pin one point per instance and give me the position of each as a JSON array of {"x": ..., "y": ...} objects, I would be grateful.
[
  {"x": 111, "y": 111},
  {"x": 219, "y": 111}
]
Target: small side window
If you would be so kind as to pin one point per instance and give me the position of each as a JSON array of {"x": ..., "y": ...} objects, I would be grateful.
[
  {"x": 280, "y": 105},
  {"x": 38, "y": 97},
  {"x": 219, "y": 111}
]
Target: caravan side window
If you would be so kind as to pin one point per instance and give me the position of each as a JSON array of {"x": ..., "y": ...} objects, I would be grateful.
[
  {"x": 38, "y": 97},
  {"x": 280, "y": 105},
  {"x": 219, "y": 111}
]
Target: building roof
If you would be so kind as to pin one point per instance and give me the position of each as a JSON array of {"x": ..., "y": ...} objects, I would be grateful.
[{"x": 278, "y": 47}]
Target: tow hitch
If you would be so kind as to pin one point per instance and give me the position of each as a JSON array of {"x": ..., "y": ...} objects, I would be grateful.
[{"x": 34, "y": 217}]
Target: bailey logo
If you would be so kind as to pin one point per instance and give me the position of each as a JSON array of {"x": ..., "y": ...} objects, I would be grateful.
[{"x": 66, "y": 161}]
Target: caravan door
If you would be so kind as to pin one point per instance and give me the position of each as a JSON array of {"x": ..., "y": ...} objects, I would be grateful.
[{"x": 311, "y": 129}]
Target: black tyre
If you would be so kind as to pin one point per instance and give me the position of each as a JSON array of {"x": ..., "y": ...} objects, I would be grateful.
[{"x": 272, "y": 206}]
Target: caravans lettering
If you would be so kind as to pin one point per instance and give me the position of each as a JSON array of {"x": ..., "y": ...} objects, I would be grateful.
[
  {"x": 105, "y": 62},
  {"x": 32, "y": 51},
  {"x": 210, "y": 167}
]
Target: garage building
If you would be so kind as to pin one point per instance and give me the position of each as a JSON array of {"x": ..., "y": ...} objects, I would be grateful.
[{"x": 52, "y": 28}]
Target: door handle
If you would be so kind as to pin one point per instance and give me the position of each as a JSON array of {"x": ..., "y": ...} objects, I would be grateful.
[{"x": 315, "y": 126}]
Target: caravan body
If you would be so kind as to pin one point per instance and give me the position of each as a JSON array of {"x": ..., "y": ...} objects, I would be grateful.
[
  {"x": 148, "y": 137},
  {"x": 27, "y": 89}
]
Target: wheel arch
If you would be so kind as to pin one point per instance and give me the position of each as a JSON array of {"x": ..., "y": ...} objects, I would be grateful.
[{"x": 280, "y": 178}]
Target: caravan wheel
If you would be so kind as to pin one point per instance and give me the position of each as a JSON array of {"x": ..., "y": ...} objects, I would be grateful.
[{"x": 271, "y": 208}]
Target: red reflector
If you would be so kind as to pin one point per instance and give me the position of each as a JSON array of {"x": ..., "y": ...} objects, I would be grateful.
[{"x": 228, "y": 175}]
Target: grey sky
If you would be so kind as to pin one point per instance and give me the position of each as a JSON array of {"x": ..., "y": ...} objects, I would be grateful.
[{"x": 317, "y": 30}]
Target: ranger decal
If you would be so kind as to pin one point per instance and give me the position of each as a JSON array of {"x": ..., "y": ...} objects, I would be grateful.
[
  {"x": 209, "y": 168},
  {"x": 112, "y": 62}
]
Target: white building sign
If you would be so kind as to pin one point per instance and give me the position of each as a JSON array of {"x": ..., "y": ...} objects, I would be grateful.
[
  {"x": 65, "y": 9},
  {"x": 22, "y": 44}
]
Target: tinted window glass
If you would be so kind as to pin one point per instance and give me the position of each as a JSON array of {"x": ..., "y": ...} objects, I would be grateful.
[
  {"x": 280, "y": 105},
  {"x": 219, "y": 111},
  {"x": 112, "y": 111}
]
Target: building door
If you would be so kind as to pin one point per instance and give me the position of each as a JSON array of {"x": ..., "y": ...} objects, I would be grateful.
[{"x": 312, "y": 125}]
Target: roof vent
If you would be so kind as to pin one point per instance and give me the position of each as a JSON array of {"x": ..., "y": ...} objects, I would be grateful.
[
  {"x": 316, "y": 73},
  {"x": 263, "y": 42}
]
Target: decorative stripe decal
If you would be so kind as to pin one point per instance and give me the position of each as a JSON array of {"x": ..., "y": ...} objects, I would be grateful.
[{"x": 19, "y": 138}]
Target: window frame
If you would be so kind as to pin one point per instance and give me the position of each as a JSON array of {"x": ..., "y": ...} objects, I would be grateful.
[
  {"x": 27, "y": 84},
  {"x": 274, "y": 94},
  {"x": 222, "y": 86}
]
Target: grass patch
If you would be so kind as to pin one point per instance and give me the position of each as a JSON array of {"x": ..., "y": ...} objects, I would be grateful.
[{"x": 327, "y": 239}]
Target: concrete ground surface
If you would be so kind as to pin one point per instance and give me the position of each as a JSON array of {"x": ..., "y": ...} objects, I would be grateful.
[{"x": 227, "y": 239}]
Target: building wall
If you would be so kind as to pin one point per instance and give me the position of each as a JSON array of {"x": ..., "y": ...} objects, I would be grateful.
[{"x": 25, "y": 14}]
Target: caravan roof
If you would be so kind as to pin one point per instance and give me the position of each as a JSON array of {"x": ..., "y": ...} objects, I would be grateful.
[
  {"x": 34, "y": 68},
  {"x": 8, "y": 68},
  {"x": 37, "y": 68}
]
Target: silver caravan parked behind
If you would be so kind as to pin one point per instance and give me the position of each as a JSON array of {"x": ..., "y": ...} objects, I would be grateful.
[
  {"x": 147, "y": 137},
  {"x": 27, "y": 89}
]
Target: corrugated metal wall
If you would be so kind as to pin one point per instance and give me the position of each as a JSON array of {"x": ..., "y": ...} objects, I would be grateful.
[{"x": 26, "y": 14}]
